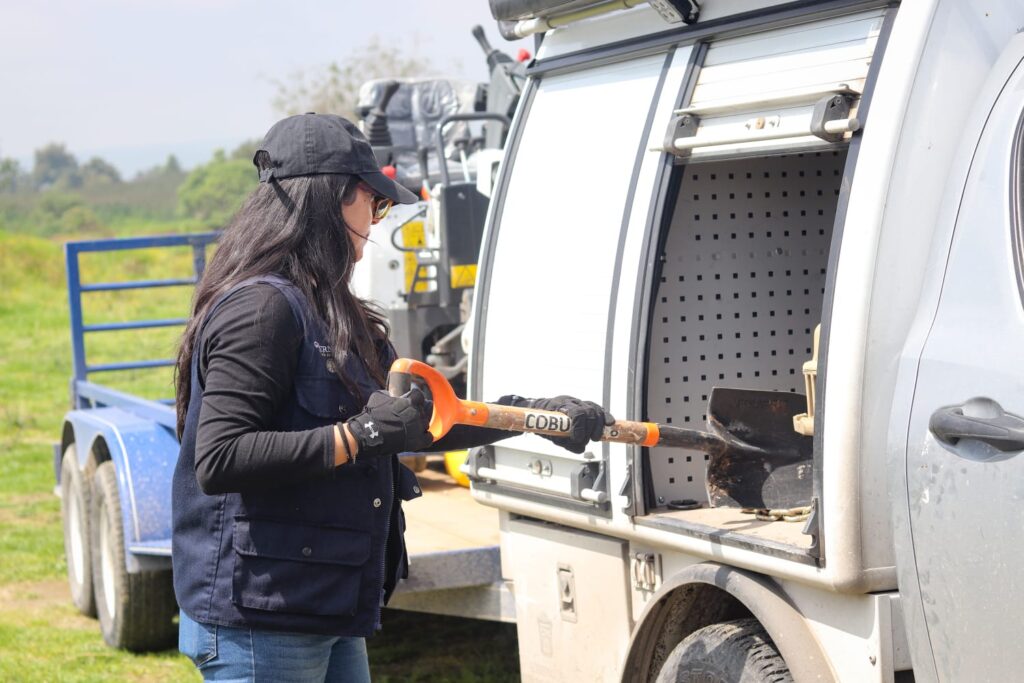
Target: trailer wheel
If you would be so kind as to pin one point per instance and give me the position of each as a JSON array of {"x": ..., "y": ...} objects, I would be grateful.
[
  {"x": 737, "y": 651},
  {"x": 136, "y": 611},
  {"x": 74, "y": 513}
]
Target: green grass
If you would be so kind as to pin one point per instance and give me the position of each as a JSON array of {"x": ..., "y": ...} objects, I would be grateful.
[
  {"x": 425, "y": 648},
  {"x": 42, "y": 637}
]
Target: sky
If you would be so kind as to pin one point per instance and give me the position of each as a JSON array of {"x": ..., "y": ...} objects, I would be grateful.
[{"x": 135, "y": 80}]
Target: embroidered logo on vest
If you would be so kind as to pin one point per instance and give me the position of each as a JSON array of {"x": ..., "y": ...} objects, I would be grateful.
[{"x": 325, "y": 353}]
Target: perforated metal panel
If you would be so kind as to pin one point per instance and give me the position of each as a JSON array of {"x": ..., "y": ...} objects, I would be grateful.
[{"x": 741, "y": 290}]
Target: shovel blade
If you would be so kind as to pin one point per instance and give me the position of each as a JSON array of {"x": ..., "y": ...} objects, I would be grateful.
[{"x": 764, "y": 463}]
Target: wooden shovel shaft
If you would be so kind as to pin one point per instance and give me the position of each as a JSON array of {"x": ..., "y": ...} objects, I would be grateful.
[
  {"x": 512, "y": 419},
  {"x": 552, "y": 423}
]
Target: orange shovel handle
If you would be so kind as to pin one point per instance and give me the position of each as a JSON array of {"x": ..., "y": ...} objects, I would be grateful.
[{"x": 449, "y": 410}]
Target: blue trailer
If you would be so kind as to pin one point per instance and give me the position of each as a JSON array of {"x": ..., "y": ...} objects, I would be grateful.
[{"x": 114, "y": 464}]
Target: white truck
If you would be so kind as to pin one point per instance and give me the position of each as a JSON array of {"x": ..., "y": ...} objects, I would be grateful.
[{"x": 679, "y": 206}]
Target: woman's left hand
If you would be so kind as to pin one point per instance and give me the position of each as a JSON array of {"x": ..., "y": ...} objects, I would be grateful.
[{"x": 588, "y": 420}]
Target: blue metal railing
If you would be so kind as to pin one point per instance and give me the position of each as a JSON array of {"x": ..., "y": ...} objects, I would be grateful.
[
  {"x": 85, "y": 392},
  {"x": 137, "y": 325},
  {"x": 138, "y": 284}
]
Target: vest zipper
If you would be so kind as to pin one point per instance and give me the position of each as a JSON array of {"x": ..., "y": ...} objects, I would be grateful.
[{"x": 387, "y": 537}]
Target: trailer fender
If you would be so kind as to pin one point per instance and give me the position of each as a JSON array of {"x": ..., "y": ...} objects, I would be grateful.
[
  {"x": 707, "y": 593},
  {"x": 144, "y": 454}
]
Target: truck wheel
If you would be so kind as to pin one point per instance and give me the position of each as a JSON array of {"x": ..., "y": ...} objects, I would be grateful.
[
  {"x": 74, "y": 513},
  {"x": 136, "y": 611},
  {"x": 737, "y": 651}
]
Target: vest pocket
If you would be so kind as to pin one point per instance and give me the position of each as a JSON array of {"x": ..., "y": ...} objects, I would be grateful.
[
  {"x": 300, "y": 569},
  {"x": 323, "y": 397}
]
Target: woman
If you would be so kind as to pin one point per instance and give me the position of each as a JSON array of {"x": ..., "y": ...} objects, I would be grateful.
[{"x": 287, "y": 525}]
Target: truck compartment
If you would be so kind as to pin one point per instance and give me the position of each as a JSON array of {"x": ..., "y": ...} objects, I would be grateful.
[
  {"x": 739, "y": 291},
  {"x": 730, "y": 245}
]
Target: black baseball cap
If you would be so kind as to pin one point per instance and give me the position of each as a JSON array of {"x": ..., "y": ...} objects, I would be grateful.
[{"x": 314, "y": 144}]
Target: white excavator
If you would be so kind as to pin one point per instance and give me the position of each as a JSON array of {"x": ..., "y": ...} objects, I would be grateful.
[{"x": 442, "y": 139}]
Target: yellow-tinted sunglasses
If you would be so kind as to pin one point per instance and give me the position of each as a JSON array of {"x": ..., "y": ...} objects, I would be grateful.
[{"x": 380, "y": 205}]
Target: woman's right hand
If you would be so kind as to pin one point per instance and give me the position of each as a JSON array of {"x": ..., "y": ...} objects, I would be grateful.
[{"x": 391, "y": 424}]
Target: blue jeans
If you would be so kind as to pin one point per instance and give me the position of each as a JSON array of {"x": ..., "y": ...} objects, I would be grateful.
[{"x": 228, "y": 653}]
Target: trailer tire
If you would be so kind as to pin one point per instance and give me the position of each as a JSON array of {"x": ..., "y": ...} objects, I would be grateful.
[
  {"x": 136, "y": 611},
  {"x": 74, "y": 515},
  {"x": 737, "y": 651}
]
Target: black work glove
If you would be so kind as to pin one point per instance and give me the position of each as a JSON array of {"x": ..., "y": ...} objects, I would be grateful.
[
  {"x": 588, "y": 419},
  {"x": 391, "y": 424}
]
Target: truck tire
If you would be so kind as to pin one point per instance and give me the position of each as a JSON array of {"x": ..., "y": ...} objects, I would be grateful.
[
  {"x": 74, "y": 515},
  {"x": 737, "y": 651},
  {"x": 136, "y": 611}
]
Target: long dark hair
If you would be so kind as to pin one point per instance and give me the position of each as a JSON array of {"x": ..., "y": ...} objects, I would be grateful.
[{"x": 291, "y": 227}]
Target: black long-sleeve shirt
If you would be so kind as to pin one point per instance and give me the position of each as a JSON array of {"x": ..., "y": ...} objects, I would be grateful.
[{"x": 247, "y": 362}]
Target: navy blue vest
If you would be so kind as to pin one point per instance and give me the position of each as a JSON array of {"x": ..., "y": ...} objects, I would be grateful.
[{"x": 317, "y": 557}]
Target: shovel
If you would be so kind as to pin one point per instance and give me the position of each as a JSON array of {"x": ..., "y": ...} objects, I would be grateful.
[
  {"x": 767, "y": 464},
  {"x": 742, "y": 458}
]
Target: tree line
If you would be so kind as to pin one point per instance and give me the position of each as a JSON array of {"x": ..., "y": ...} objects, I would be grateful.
[
  {"x": 57, "y": 168},
  {"x": 62, "y": 195}
]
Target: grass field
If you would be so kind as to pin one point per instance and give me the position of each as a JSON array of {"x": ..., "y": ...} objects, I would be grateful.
[{"x": 42, "y": 637}]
